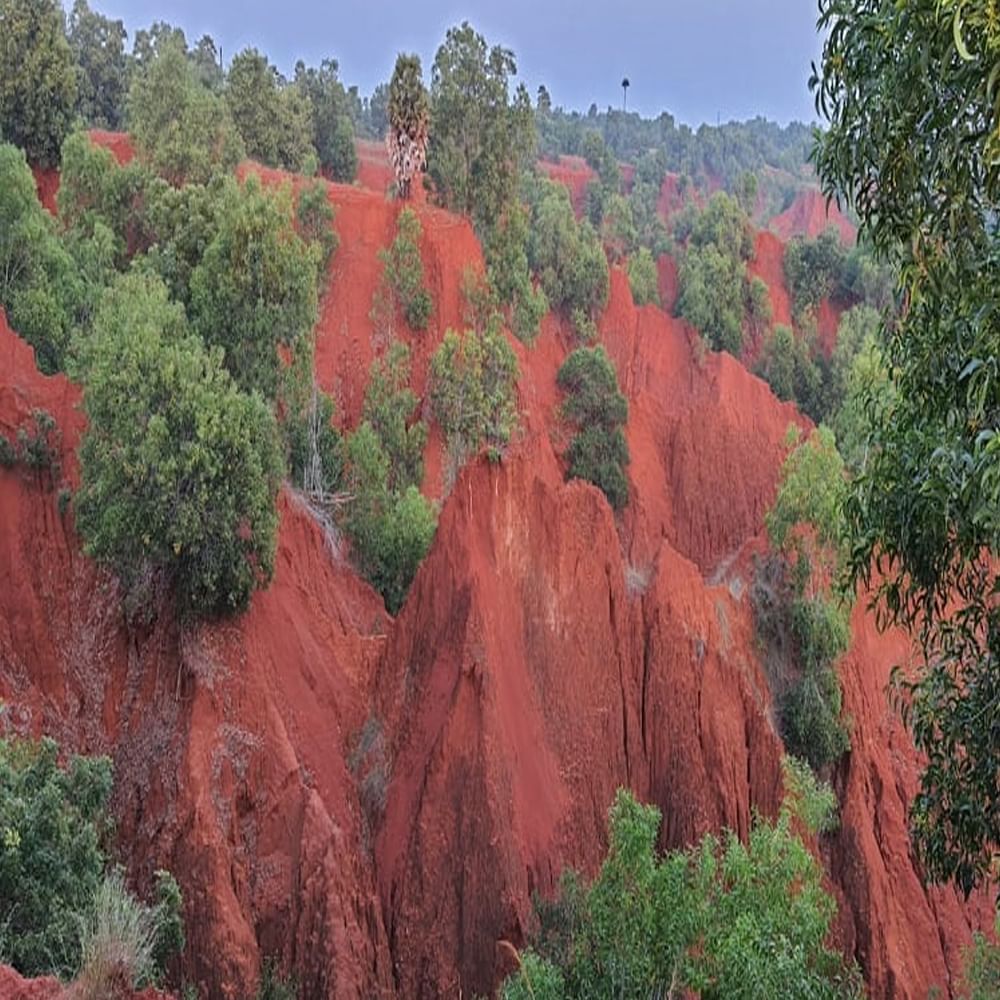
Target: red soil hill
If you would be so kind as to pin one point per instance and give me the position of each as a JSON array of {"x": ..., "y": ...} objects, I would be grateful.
[{"x": 809, "y": 215}]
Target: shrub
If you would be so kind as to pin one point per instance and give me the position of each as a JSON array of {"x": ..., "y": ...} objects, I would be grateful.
[
  {"x": 315, "y": 449},
  {"x": 116, "y": 942},
  {"x": 390, "y": 533},
  {"x": 982, "y": 974},
  {"x": 643, "y": 278},
  {"x": 273, "y": 985},
  {"x": 39, "y": 447},
  {"x": 255, "y": 287},
  {"x": 180, "y": 470},
  {"x": 473, "y": 388},
  {"x": 403, "y": 272},
  {"x": 8, "y": 456},
  {"x": 568, "y": 259},
  {"x": 814, "y": 269},
  {"x": 315, "y": 216},
  {"x": 717, "y": 920},
  {"x": 52, "y": 822},
  {"x": 594, "y": 403},
  {"x": 389, "y": 408}
]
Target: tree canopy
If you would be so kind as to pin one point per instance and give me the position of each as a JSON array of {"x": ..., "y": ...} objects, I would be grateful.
[{"x": 909, "y": 95}]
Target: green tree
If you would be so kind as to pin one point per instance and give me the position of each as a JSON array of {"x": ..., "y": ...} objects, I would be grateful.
[
  {"x": 40, "y": 285},
  {"x": 596, "y": 406},
  {"x": 53, "y": 820},
  {"x": 38, "y": 80},
  {"x": 274, "y": 118},
  {"x": 473, "y": 391},
  {"x": 924, "y": 509},
  {"x": 314, "y": 215},
  {"x": 390, "y": 533},
  {"x": 181, "y": 128},
  {"x": 408, "y": 113},
  {"x": 180, "y": 470},
  {"x": 333, "y": 131},
  {"x": 568, "y": 258},
  {"x": 786, "y": 364},
  {"x": 723, "y": 919},
  {"x": 98, "y": 45},
  {"x": 643, "y": 278},
  {"x": 814, "y": 269},
  {"x": 480, "y": 138},
  {"x": 255, "y": 287},
  {"x": 390, "y": 405},
  {"x": 402, "y": 283}
]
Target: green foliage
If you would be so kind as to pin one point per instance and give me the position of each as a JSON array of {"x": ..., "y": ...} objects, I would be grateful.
[
  {"x": 390, "y": 533},
  {"x": 389, "y": 409},
  {"x": 8, "y": 454},
  {"x": 274, "y": 118},
  {"x": 98, "y": 45},
  {"x": 180, "y": 470},
  {"x": 117, "y": 942},
  {"x": 643, "y": 278},
  {"x": 52, "y": 823},
  {"x": 38, "y": 79},
  {"x": 568, "y": 258},
  {"x": 39, "y": 444},
  {"x": 332, "y": 129},
  {"x": 255, "y": 287},
  {"x": 594, "y": 403},
  {"x": 273, "y": 985},
  {"x": 181, "y": 128},
  {"x": 403, "y": 272},
  {"x": 724, "y": 919},
  {"x": 40, "y": 285},
  {"x": 982, "y": 973},
  {"x": 811, "y": 801},
  {"x": 167, "y": 914},
  {"x": 814, "y": 269},
  {"x": 713, "y": 290},
  {"x": 797, "y": 613},
  {"x": 506, "y": 250},
  {"x": 314, "y": 215},
  {"x": 473, "y": 391},
  {"x": 786, "y": 364},
  {"x": 480, "y": 139},
  {"x": 408, "y": 113},
  {"x": 315, "y": 450}
]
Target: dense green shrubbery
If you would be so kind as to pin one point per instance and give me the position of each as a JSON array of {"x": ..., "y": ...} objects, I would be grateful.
[
  {"x": 802, "y": 623},
  {"x": 596, "y": 406},
  {"x": 473, "y": 390},
  {"x": 332, "y": 126},
  {"x": 643, "y": 278},
  {"x": 181, "y": 128},
  {"x": 723, "y": 919},
  {"x": 180, "y": 470},
  {"x": 568, "y": 258},
  {"x": 255, "y": 286},
  {"x": 314, "y": 215},
  {"x": 403, "y": 276},
  {"x": 813, "y": 269},
  {"x": 38, "y": 78},
  {"x": 714, "y": 294}
]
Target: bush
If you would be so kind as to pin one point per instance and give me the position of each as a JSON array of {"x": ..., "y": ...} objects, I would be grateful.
[
  {"x": 814, "y": 269},
  {"x": 643, "y": 278},
  {"x": 116, "y": 942},
  {"x": 594, "y": 403},
  {"x": 180, "y": 127},
  {"x": 389, "y": 408},
  {"x": 473, "y": 391},
  {"x": 8, "y": 456},
  {"x": 40, "y": 285},
  {"x": 52, "y": 823},
  {"x": 983, "y": 967},
  {"x": 786, "y": 364},
  {"x": 180, "y": 470},
  {"x": 39, "y": 448},
  {"x": 506, "y": 249},
  {"x": 315, "y": 216},
  {"x": 255, "y": 287},
  {"x": 315, "y": 449},
  {"x": 723, "y": 919},
  {"x": 390, "y": 533},
  {"x": 403, "y": 272},
  {"x": 568, "y": 259}
]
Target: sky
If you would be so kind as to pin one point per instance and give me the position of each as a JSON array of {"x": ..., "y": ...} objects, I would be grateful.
[{"x": 701, "y": 60}]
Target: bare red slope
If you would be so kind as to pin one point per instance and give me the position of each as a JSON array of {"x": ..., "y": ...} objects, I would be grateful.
[
  {"x": 575, "y": 174},
  {"x": 809, "y": 215}
]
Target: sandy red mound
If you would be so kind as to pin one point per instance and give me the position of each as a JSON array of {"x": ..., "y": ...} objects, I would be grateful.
[
  {"x": 375, "y": 801},
  {"x": 374, "y": 169},
  {"x": 14, "y": 987},
  {"x": 809, "y": 215},
  {"x": 573, "y": 172},
  {"x": 47, "y": 185},
  {"x": 769, "y": 264},
  {"x": 120, "y": 143},
  {"x": 672, "y": 199},
  {"x": 666, "y": 270}
]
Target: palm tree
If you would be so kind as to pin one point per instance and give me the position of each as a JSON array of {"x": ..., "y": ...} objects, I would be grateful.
[
  {"x": 625, "y": 86},
  {"x": 409, "y": 113}
]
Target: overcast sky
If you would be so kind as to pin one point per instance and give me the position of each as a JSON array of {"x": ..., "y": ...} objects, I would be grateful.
[{"x": 699, "y": 59}]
